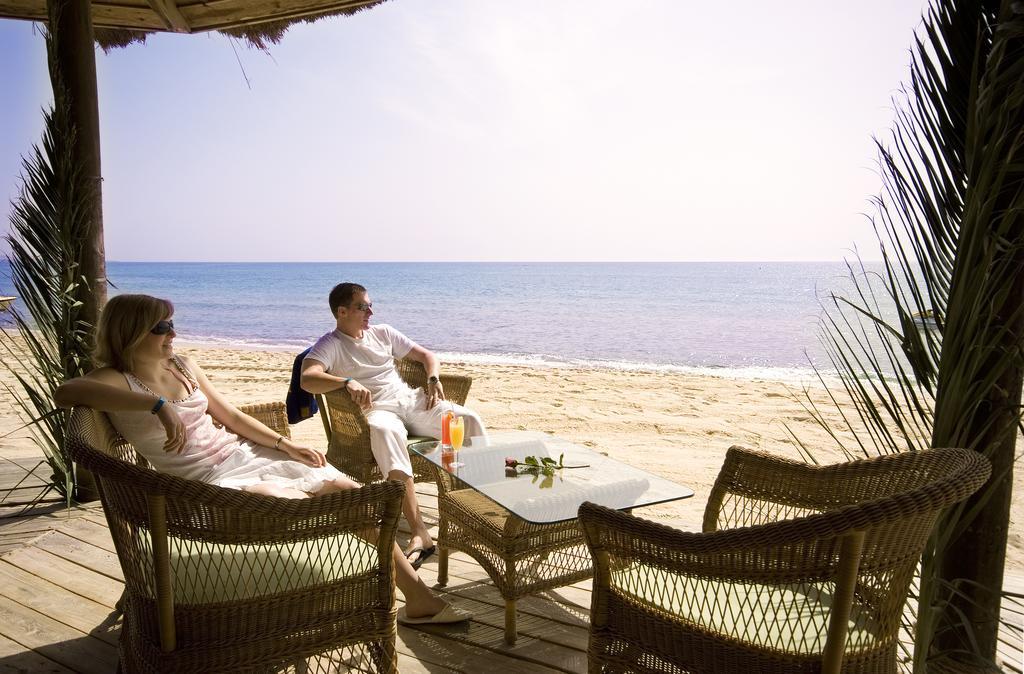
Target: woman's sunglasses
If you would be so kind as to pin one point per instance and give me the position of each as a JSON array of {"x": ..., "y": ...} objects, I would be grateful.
[{"x": 163, "y": 327}]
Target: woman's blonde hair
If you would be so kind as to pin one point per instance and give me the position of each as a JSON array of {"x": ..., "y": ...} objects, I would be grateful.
[{"x": 124, "y": 323}]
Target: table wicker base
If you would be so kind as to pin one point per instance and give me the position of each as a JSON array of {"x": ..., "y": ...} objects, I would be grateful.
[{"x": 521, "y": 558}]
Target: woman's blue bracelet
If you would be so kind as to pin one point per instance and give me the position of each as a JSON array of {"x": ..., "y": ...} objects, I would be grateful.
[{"x": 158, "y": 405}]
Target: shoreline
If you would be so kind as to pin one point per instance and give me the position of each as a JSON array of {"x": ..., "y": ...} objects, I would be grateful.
[{"x": 783, "y": 374}]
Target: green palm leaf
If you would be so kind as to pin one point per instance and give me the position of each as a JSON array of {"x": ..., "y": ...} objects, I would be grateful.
[
  {"x": 49, "y": 342},
  {"x": 950, "y": 226}
]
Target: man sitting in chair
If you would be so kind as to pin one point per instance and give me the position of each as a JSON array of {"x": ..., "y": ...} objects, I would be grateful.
[{"x": 360, "y": 358}]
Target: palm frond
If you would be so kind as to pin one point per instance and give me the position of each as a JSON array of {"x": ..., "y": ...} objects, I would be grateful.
[
  {"x": 50, "y": 341},
  {"x": 950, "y": 227}
]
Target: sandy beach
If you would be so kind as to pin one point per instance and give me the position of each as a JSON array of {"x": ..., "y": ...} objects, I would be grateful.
[{"x": 678, "y": 426}]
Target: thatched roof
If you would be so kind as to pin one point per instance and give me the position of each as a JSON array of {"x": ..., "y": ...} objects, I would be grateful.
[{"x": 118, "y": 23}]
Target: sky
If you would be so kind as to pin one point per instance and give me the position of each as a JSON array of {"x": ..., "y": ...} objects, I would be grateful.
[{"x": 487, "y": 130}]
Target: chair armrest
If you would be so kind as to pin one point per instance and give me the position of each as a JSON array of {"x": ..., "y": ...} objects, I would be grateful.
[
  {"x": 204, "y": 511},
  {"x": 755, "y": 488},
  {"x": 347, "y": 419},
  {"x": 777, "y": 553},
  {"x": 456, "y": 386},
  {"x": 94, "y": 428},
  {"x": 273, "y": 415},
  {"x": 773, "y": 586}
]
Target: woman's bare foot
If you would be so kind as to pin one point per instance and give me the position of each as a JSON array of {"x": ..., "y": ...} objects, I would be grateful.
[{"x": 424, "y": 605}]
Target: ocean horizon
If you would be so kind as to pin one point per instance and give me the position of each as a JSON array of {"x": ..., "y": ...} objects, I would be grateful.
[{"x": 730, "y": 319}]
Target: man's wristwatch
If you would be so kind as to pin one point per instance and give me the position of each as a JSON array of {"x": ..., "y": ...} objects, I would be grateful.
[{"x": 432, "y": 380}]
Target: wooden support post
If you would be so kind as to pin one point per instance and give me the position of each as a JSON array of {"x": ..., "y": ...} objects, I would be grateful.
[
  {"x": 73, "y": 65},
  {"x": 71, "y": 24}
]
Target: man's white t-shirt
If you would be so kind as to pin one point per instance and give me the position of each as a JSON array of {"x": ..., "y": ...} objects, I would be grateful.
[{"x": 369, "y": 360}]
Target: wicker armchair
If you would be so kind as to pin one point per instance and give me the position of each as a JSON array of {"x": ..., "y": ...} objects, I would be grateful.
[
  {"x": 220, "y": 580},
  {"x": 348, "y": 434},
  {"x": 811, "y": 576}
]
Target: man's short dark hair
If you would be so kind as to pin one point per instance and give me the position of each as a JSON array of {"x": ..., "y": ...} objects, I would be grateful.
[{"x": 341, "y": 295}]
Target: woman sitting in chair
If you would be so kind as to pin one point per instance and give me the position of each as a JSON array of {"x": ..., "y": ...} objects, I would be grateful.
[{"x": 159, "y": 402}]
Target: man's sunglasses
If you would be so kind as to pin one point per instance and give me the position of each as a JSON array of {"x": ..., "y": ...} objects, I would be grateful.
[
  {"x": 163, "y": 327},
  {"x": 364, "y": 306}
]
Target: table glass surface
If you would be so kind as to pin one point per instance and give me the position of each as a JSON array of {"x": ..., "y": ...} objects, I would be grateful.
[{"x": 545, "y": 499}]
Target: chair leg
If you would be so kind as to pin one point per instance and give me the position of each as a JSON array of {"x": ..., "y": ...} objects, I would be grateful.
[
  {"x": 510, "y": 621},
  {"x": 442, "y": 564}
]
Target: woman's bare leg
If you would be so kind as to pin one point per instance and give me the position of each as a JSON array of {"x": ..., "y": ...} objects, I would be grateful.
[{"x": 419, "y": 600}]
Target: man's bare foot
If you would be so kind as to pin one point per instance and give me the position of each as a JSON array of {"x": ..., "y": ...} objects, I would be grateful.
[{"x": 419, "y": 541}]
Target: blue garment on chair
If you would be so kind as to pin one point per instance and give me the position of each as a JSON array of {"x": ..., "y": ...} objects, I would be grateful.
[{"x": 300, "y": 403}]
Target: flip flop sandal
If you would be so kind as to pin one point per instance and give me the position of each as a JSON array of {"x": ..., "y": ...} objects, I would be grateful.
[{"x": 417, "y": 556}]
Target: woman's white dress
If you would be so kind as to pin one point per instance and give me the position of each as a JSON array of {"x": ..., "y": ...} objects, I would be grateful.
[{"x": 212, "y": 454}]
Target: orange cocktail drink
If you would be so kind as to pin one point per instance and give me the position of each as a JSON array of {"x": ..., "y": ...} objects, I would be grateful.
[
  {"x": 446, "y": 419},
  {"x": 456, "y": 432}
]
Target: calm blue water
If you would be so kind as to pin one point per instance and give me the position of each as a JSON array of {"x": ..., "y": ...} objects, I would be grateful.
[{"x": 727, "y": 317}]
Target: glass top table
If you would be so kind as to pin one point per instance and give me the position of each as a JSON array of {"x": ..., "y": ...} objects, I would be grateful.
[{"x": 548, "y": 498}]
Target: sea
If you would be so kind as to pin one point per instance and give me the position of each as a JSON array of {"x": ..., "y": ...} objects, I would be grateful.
[{"x": 731, "y": 319}]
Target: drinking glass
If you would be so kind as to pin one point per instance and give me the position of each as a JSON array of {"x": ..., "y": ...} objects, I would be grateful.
[
  {"x": 446, "y": 442},
  {"x": 456, "y": 433}
]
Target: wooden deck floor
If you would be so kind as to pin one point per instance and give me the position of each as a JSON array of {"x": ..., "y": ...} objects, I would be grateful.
[{"x": 60, "y": 579}]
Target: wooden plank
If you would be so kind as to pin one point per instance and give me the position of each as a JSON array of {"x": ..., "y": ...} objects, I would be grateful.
[
  {"x": 461, "y": 656},
  {"x": 533, "y": 605},
  {"x": 16, "y": 658},
  {"x": 41, "y": 524},
  {"x": 532, "y": 628},
  {"x": 51, "y": 509},
  {"x": 168, "y": 12},
  {"x": 487, "y": 631},
  {"x": 55, "y": 640},
  {"x": 96, "y": 516},
  {"x": 480, "y": 634},
  {"x": 82, "y": 581},
  {"x": 462, "y": 567},
  {"x": 409, "y": 664},
  {"x": 10, "y": 468},
  {"x": 59, "y": 604},
  {"x": 22, "y": 480},
  {"x": 82, "y": 553},
  {"x": 548, "y": 605},
  {"x": 15, "y": 541},
  {"x": 90, "y": 532}
]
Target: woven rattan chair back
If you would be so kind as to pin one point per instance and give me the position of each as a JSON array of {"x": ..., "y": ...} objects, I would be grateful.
[
  {"x": 800, "y": 568},
  {"x": 348, "y": 434},
  {"x": 221, "y": 580}
]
